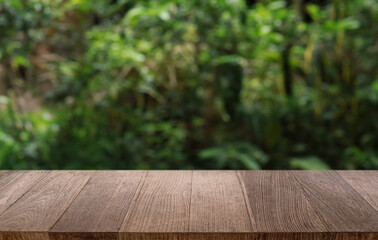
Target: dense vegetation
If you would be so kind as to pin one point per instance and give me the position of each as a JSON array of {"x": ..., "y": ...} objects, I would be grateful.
[{"x": 177, "y": 84}]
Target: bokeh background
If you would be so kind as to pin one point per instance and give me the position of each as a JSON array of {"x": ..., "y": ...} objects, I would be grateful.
[{"x": 188, "y": 84}]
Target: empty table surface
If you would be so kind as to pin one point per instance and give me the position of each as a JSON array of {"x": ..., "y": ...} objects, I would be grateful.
[{"x": 186, "y": 205}]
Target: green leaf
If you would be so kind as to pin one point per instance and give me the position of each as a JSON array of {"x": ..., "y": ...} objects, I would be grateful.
[
  {"x": 21, "y": 61},
  {"x": 309, "y": 163},
  {"x": 375, "y": 86},
  {"x": 314, "y": 11},
  {"x": 249, "y": 162}
]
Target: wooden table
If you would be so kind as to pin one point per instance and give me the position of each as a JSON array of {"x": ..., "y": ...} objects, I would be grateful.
[{"x": 188, "y": 205}]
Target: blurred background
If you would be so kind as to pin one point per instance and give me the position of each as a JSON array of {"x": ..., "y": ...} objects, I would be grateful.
[{"x": 188, "y": 84}]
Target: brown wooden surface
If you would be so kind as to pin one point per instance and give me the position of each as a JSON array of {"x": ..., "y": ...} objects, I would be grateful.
[
  {"x": 161, "y": 204},
  {"x": 337, "y": 204},
  {"x": 41, "y": 207},
  {"x": 101, "y": 206},
  {"x": 188, "y": 205},
  {"x": 218, "y": 203},
  {"x": 365, "y": 183},
  {"x": 13, "y": 184},
  {"x": 278, "y": 203}
]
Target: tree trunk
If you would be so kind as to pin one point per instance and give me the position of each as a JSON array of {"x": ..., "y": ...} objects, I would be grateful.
[{"x": 287, "y": 73}]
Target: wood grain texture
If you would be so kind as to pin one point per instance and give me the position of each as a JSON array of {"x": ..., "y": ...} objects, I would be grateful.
[
  {"x": 337, "y": 204},
  {"x": 40, "y": 208},
  {"x": 365, "y": 183},
  {"x": 83, "y": 236},
  {"x": 278, "y": 204},
  {"x": 192, "y": 236},
  {"x": 14, "y": 184},
  {"x": 161, "y": 203},
  {"x": 153, "y": 236},
  {"x": 24, "y": 236},
  {"x": 102, "y": 204},
  {"x": 218, "y": 203},
  {"x": 188, "y": 205},
  {"x": 249, "y": 236}
]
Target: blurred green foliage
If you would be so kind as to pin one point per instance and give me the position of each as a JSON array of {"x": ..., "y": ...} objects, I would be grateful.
[{"x": 176, "y": 84}]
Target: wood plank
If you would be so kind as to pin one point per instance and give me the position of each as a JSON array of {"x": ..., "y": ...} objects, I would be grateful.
[
  {"x": 365, "y": 183},
  {"x": 24, "y": 236},
  {"x": 83, "y": 236},
  {"x": 14, "y": 184},
  {"x": 251, "y": 236},
  {"x": 161, "y": 204},
  {"x": 218, "y": 203},
  {"x": 278, "y": 204},
  {"x": 40, "y": 208},
  {"x": 337, "y": 204},
  {"x": 198, "y": 236},
  {"x": 189, "y": 205},
  {"x": 100, "y": 207}
]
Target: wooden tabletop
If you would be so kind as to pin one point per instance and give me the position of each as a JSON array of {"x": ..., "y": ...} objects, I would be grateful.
[{"x": 188, "y": 205}]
